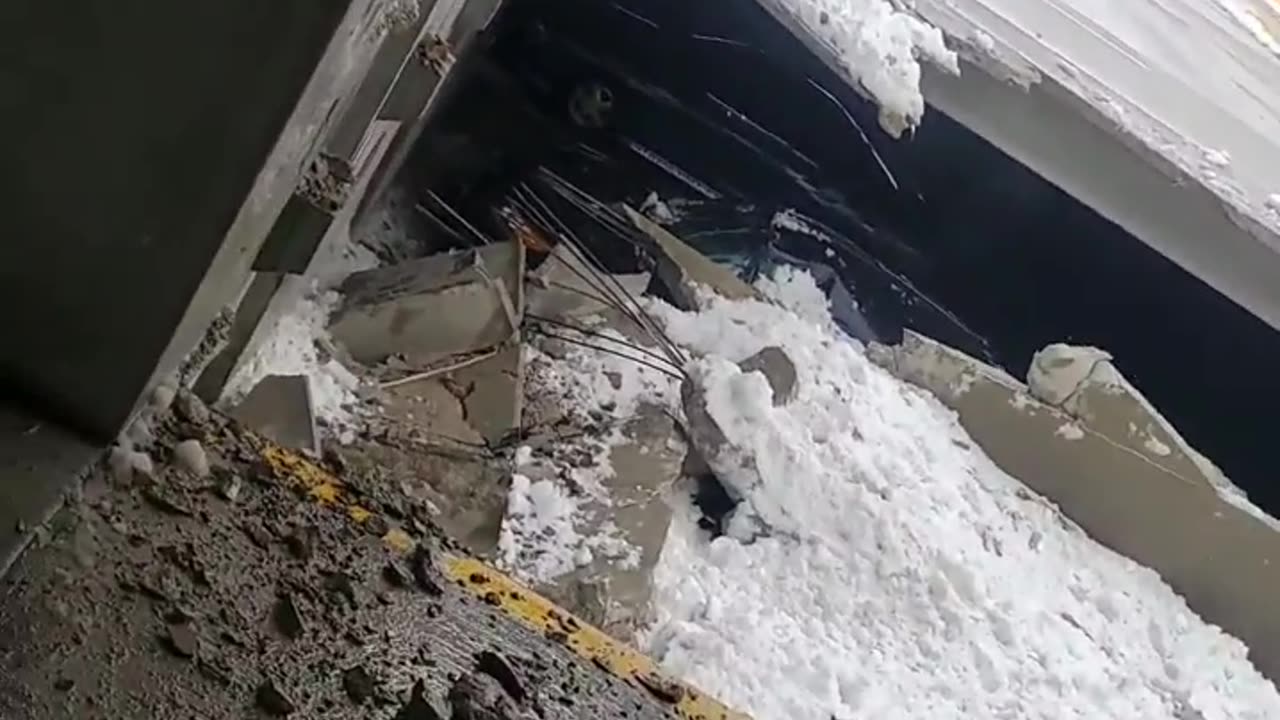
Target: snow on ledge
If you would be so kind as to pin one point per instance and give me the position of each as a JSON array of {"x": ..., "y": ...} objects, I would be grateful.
[{"x": 879, "y": 47}]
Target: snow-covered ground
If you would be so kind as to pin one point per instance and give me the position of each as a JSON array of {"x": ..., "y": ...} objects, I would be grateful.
[{"x": 881, "y": 566}]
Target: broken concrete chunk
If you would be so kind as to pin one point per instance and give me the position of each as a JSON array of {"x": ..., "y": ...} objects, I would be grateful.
[
  {"x": 681, "y": 269},
  {"x": 130, "y": 466},
  {"x": 778, "y": 369},
  {"x": 1058, "y": 370},
  {"x": 477, "y": 696},
  {"x": 496, "y": 401},
  {"x": 288, "y": 618},
  {"x": 190, "y": 408},
  {"x": 280, "y": 408},
  {"x": 273, "y": 701},
  {"x": 419, "y": 708},
  {"x": 190, "y": 456},
  {"x": 358, "y": 684},
  {"x": 433, "y": 308},
  {"x": 565, "y": 287},
  {"x": 183, "y": 641}
]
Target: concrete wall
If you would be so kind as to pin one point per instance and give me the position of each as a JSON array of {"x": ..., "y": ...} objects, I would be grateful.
[
  {"x": 148, "y": 149},
  {"x": 1112, "y": 466}
]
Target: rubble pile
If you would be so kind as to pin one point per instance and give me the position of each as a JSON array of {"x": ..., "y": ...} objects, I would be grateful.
[{"x": 210, "y": 572}]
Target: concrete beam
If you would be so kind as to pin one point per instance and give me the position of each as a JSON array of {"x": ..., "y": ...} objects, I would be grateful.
[
  {"x": 1116, "y": 115},
  {"x": 176, "y": 162},
  {"x": 1150, "y": 501}
]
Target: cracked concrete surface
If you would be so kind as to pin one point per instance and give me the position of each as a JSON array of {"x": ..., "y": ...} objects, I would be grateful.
[{"x": 160, "y": 597}]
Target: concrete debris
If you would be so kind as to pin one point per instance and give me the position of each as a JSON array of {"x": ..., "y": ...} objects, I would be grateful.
[
  {"x": 229, "y": 487},
  {"x": 478, "y": 696},
  {"x": 288, "y": 617},
  {"x": 162, "y": 397},
  {"x": 495, "y": 666},
  {"x": 559, "y": 288},
  {"x": 418, "y": 707},
  {"x": 273, "y": 701},
  {"x": 1058, "y": 370},
  {"x": 191, "y": 457},
  {"x": 778, "y": 369},
  {"x": 302, "y": 541},
  {"x": 358, "y": 684},
  {"x": 227, "y": 595},
  {"x": 280, "y": 407},
  {"x": 130, "y": 466},
  {"x": 424, "y": 572},
  {"x": 190, "y": 408},
  {"x": 433, "y": 308},
  {"x": 326, "y": 182},
  {"x": 214, "y": 340},
  {"x": 681, "y": 270},
  {"x": 496, "y": 398},
  {"x": 183, "y": 641},
  {"x": 168, "y": 500}
]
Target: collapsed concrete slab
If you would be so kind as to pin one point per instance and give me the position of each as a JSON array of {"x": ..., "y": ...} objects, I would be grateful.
[
  {"x": 423, "y": 449},
  {"x": 435, "y": 307},
  {"x": 614, "y": 591},
  {"x": 560, "y": 289},
  {"x": 279, "y": 407},
  {"x": 1145, "y": 496},
  {"x": 494, "y": 398},
  {"x": 681, "y": 269}
]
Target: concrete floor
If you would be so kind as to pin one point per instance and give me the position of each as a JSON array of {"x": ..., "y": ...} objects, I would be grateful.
[
  {"x": 39, "y": 461},
  {"x": 161, "y": 597}
]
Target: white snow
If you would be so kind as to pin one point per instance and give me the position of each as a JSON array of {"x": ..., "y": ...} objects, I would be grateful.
[
  {"x": 289, "y": 348},
  {"x": 540, "y": 539},
  {"x": 880, "y": 47},
  {"x": 1273, "y": 203},
  {"x": 1070, "y": 431},
  {"x": 881, "y": 566},
  {"x": 1217, "y": 158},
  {"x": 557, "y": 517}
]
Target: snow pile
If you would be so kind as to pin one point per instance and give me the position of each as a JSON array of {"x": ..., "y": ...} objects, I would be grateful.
[
  {"x": 558, "y": 508},
  {"x": 541, "y": 540},
  {"x": 881, "y": 566},
  {"x": 880, "y": 47}
]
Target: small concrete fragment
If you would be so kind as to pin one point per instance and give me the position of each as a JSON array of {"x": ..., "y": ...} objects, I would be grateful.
[
  {"x": 271, "y": 700},
  {"x": 187, "y": 406},
  {"x": 280, "y": 408},
  {"x": 191, "y": 457},
  {"x": 681, "y": 269},
  {"x": 419, "y": 708},
  {"x": 778, "y": 369},
  {"x": 358, "y": 684},
  {"x": 433, "y": 308},
  {"x": 183, "y": 641},
  {"x": 478, "y": 696},
  {"x": 130, "y": 466},
  {"x": 288, "y": 618},
  {"x": 1057, "y": 371}
]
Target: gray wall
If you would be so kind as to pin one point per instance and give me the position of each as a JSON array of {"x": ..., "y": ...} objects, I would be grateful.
[{"x": 133, "y": 132}]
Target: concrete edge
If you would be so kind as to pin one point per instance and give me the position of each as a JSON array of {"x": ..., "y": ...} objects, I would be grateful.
[
  {"x": 514, "y": 599},
  {"x": 1223, "y": 560}
]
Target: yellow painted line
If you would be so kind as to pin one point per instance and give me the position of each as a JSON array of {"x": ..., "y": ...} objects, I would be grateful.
[
  {"x": 518, "y": 602},
  {"x": 542, "y": 615}
]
